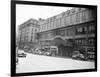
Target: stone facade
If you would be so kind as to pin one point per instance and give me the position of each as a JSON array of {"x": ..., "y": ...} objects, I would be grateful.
[
  {"x": 27, "y": 31},
  {"x": 75, "y": 27},
  {"x": 70, "y": 30}
]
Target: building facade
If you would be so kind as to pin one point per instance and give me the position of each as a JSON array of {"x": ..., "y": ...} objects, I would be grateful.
[
  {"x": 27, "y": 32},
  {"x": 71, "y": 30}
]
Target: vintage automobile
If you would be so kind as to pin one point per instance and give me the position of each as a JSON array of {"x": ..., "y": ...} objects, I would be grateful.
[
  {"x": 21, "y": 53},
  {"x": 27, "y": 49},
  {"x": 77, "y": 55},
  {"x": 47, "y": 50},
  {"x": 47, "y": 53},
  {"x": 38, "y": 51},
  {"x": 50, "y": 50}
]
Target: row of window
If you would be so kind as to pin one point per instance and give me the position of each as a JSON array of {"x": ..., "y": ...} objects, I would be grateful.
[
  {"x": 83, "y": 41},
  {"x": 67, "y": 13},
  {"x": 78, "y": 30},
  {"x": 90, "y": 28},
  {"x": 68, "y": 20},
  {"x": 28, "y": 34}
]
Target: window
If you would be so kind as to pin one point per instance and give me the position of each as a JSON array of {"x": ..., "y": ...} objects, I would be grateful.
[
  {"x": 81, "y": 30},
  {"x": 68, "y": 13},
  {"x": 73, "y": 11},
  {"x": 77, "y": 17},
  {"x": 45, "y": 26},
  {"x": 45, "y": 35},
  {"x": 91, "y": 14},
  {"x": 54, "y": 24},
  {"x": 35, "y": 30},
  {"x": 67, "y": 20},
  {"x": 63, "y": 21},
  {"x": 81, "y": 41},
  {"x": 91, "y": 28},
  {"x": 74, "y": 19},
  {"x": 71, "y": 22},
  {"x": 56, "y": 32},
  {"x": 84, "y": 16},
  {"x": 62, "y": 32},
  {"x": 58, "y": 22},
  {"x": 91, "y": 41},
  {"x": 69, "y": 32},
  {"x": 32, "y": 35},
  {"x": 42, "y": 27},
  {"x": 49, "y": 26},
  {"x": 53, "y": 33}
]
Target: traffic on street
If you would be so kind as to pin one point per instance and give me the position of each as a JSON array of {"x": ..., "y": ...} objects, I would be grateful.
[{"x": 41, "y": 63}]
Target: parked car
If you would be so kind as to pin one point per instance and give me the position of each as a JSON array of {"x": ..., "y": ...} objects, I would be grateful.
[
  {"x": 50, "y": 50},
  {"x": 47, "y": 53},
  {"x": 21, "y": 53},
  {"x": 78, "y": 55},
  {"x": 27, "y": 49},
  {"x": 38, "y": 51}
]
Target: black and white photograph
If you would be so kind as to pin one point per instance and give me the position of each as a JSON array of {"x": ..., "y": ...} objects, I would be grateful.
[{"x": 55, "y": 38}]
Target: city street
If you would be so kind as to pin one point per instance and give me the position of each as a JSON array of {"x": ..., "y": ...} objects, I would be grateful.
[{"x": 40, "y": 63}]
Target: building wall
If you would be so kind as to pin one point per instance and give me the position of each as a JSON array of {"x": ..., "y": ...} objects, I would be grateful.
[
  {"x": 49, "y": 28},
  {"x": 70, "y": 17},
  {"x": 77, "y": 24},
  {"x": 27, "y": 31}
]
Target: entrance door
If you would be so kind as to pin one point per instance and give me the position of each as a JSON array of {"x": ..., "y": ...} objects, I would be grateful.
[{"x": 62, "y": 50}]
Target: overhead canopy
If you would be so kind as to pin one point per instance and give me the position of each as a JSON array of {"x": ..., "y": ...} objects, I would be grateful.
[{"x": 58, "y": 42}]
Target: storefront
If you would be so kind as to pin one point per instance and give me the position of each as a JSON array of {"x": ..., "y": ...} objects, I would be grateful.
[{"x": 86, "y": 46}]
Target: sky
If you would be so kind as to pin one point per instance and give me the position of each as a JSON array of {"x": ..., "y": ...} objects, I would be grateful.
[{"x": 25, "y": 12}]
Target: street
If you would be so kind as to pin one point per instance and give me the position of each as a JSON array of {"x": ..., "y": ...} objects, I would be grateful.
[{"x": 40, "y": 63}]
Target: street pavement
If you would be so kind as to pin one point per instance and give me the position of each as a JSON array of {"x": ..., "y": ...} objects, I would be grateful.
[{"x": 40, "y": 63}]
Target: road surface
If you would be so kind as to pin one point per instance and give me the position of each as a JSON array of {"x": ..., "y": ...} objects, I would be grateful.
[{"x": 40, "y": 63}]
